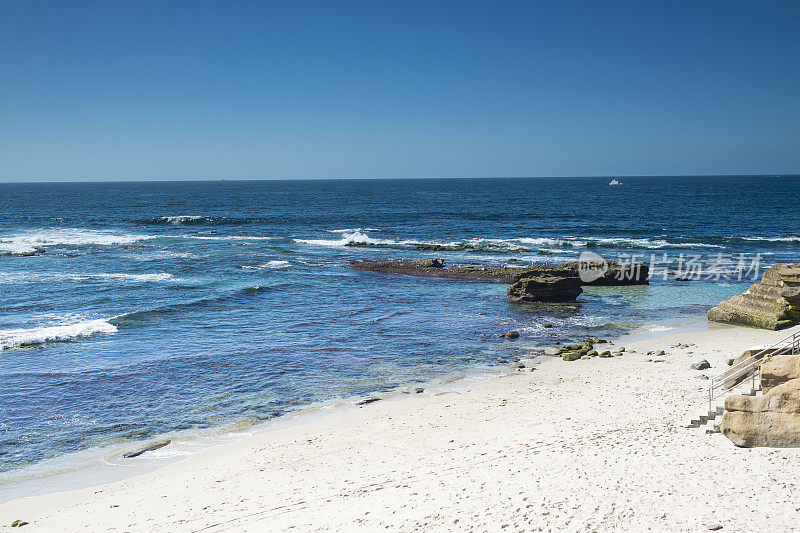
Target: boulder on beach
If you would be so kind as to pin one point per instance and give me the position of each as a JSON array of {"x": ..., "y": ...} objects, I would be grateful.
[
  {"x": 550, "y": 289},
  {"x": 777, "y": 369},
  {"x": 772, "y": 304},
  {"x": 769, "y": 420}
]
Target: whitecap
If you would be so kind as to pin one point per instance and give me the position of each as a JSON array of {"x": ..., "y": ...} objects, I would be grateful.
[
  {"x": 351, "y": 230},
  {"x": 350, "y": 237},
  {"x": 182, "y": 219},
  {"x": 268, "y": 264},
  {"x": 228, "y": 237},
  {"x": 30, "y": 241},
  {"x": 29, "y": 277},
  {"x": 12, "y": 338},
  {"x": 788, "y": 238}
]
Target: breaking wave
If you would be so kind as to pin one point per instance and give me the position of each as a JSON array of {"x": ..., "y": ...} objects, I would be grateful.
[
  {"x": 359, "y": 237},
  {"x": 349, "y": 237},
  {"x": 193, "y": 220},
  {"x": 788, "y": 238},
  {"x": 28, "y": 277},
  {"x": 268, "y": 264},
  {"x": 32, "y": 241},
  {"x": 17, "y": 338}
]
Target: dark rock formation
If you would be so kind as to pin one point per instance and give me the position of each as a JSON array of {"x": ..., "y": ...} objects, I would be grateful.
[
  {"x": 545, "y": 289},
  {"x": 772, "y": 304},
  {"x": 616, "y": 273},
  {"x": 146, "y": 449}
]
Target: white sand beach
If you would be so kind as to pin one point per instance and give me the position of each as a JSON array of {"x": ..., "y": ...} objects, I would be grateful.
[{"x": 590, "y": 445}]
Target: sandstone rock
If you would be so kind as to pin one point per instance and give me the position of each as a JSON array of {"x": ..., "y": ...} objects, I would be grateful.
[
  {"x": 772, "y": 304},
  {"x": 701, "y": 365},
  {"x": 545, "y": 289},
  {"x": 769, "y": 420},
  {"x": 777, "y": 369}
]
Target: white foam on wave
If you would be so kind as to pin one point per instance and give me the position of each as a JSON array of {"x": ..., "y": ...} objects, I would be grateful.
[
  {"x": 13, "y": 338},
  {"x": 788, "y": 238},
  {"x": 29, "y": 277},
  {"x": 182, "y": 219},
  {"x": 132, "y": 278},
  {"x": 268, "y": 264},
  {"x": 348, "y": 237},
  {"x": 359, "y": 236},
  {"x": 228, "y": 237},
  {"x": 351, "y": 230},
  {"x": 30, "y": 241}
]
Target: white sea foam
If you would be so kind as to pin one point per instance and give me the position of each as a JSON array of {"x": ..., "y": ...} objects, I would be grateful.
[
  {"x": 658, "y": 327},
  {"x": 12, "y": 338},
  {"x": 228, "y": 237},
  {"x": 351, "y": 230},
  {"x": 132, "y": 278},
  {"x": 29, "y": 241},
  {"x": 359, "y": 236},
  {"x": 348, "y": 237},
  {"x": 30, "y": 277},
  {"x": 268, "y": 264},
  {"x": 788, "y": 238},
  {"x": 182, "y": 219}
]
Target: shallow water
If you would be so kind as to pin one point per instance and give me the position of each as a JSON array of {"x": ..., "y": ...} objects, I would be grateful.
[{"x": 164, "y": 307}]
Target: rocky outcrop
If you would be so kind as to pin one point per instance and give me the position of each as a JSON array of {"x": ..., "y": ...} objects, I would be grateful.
[
  {"x": 777, "y": 369},
  {"x": 612, "y": 273},
  {"x": 772, "y": 304},
  {"x": 615, "y": 273},
  {"x": 551, "y": 289},
  {"x": 769, "y": 420}
]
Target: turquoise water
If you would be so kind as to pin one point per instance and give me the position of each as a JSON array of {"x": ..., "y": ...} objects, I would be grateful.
[{"x": 163, "y": 307}]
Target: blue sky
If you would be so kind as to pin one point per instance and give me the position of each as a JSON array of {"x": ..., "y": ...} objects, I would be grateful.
[{"x": 262, "y": 90}]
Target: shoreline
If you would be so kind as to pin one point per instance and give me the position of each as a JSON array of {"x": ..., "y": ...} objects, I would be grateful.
[
  {"x": 100, "y": 466},
  {"x": 545, "y": 423},
  {"x": 104, "y": 465}
]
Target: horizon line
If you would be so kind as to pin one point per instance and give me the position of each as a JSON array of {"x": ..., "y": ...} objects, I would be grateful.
[{"x": 174, "y": 180}]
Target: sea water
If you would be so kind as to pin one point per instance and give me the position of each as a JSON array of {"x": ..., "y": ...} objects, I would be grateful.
[{"x": 177, "y": 308}]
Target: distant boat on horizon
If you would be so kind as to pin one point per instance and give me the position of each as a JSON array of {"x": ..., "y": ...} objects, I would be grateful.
[{"x": 615, "y": 182}]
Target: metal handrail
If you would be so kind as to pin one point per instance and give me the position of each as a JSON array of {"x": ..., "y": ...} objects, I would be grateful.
[{"x": 750, "y": 367}]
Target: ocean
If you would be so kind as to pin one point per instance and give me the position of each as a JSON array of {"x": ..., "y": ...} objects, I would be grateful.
[{"x": 190, "y": 308}]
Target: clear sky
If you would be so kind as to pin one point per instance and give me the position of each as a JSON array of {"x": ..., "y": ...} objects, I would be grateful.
[{"x": 114, "y": 90}]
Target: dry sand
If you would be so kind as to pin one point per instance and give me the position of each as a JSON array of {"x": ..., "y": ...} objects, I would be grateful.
[{"x": 590, "y": 445}]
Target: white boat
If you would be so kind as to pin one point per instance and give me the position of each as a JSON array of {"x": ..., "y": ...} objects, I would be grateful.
[{"x": 615, "y": 182}]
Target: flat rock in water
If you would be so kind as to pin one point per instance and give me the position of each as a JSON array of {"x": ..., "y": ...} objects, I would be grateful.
[
  {"x": 616, "y": 273},
  {"x": 146, "y": 449}
]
